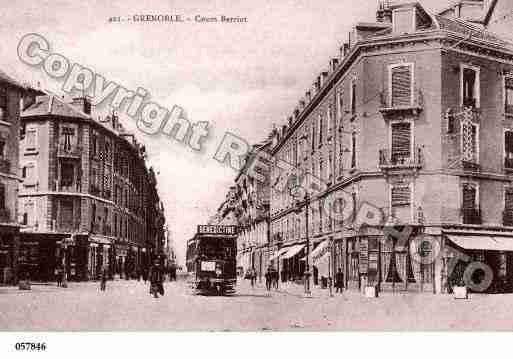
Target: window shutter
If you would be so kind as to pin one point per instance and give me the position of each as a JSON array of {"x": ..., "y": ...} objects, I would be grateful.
[
  {"x": 401, "y": 86},
  {"x": 401, "y": 140},
  {"x": 508, "y": 199},
  {"x": 401, "y": 196}
]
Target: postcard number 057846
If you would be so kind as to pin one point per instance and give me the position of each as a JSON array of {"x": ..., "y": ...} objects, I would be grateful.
[{"x": 30, "y": 346}]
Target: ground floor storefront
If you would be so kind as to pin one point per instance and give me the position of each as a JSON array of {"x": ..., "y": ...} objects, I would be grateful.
[
  {"x": 45, "y": 256},
  {"x": 9, "y": 249},
  {"x": 404, "y": 258}
]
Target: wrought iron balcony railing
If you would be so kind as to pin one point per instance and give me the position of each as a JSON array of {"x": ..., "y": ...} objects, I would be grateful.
[
  {"x": 471, "y": 215},
  {"x": 69, "y": 151},
  {"x": 390, "y": 106},
  {"x": 390, "y": 159}
]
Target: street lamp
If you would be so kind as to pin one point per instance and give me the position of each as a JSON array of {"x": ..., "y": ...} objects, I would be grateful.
[
  {"x": 307, "y": 264},
  {"x": 297, "y": 210}
]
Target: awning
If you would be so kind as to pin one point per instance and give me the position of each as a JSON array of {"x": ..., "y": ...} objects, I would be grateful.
[
  {"x": 487, "y": 243},
  {"x": 100, "y": 239},
  {"x": 278, "y": 253},
  {"x": 319, "y": 251},
  {"x": 294, "y": 250}
]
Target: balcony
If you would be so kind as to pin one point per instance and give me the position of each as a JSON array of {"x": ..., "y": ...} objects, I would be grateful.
[
  {"x": 5, "y": 165},
  {"x": 69, "y": 151},
  {"x": 471, "y": 215},
  {"x": 388, "y": 108},
  {"x": 507, "y": 218},
  {"x": 389, "y": 160}
]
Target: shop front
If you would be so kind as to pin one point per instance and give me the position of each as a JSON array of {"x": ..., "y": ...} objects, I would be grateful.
[
  {"x": 480, "y": 261},
  {"x": 293, "y": 268}
]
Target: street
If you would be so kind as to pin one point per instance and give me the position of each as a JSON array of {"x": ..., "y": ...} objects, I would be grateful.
[{"x": 126, "y": 305}]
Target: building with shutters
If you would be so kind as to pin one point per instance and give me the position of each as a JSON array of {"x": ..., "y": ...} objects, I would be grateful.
[
  {"x": 412, "y": 126},
  {"x": 87, "y": 200},
  {"x": 11, "y": 100},
  {"x": 252, "y": 210}
]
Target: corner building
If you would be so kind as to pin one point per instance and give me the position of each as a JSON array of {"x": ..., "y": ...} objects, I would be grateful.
[
  {"x": 87, "y": 200},
  {"x": 414, "y": 118}
]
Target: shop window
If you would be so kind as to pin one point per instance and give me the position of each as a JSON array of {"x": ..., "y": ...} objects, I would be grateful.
[
  {"x": 469, "y": 86},
  {"x": 508, "y": 91},
  {"x": 401, "y": 85}
]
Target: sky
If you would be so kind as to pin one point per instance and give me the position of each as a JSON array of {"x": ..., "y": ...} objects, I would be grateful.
[{"x": 241, "y": 78}]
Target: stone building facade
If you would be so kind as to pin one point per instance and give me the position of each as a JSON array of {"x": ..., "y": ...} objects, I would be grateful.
[{"x": 87, "y": 195}]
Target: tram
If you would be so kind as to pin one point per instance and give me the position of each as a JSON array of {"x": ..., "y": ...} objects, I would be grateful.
[{"x": 211, "y": 259}]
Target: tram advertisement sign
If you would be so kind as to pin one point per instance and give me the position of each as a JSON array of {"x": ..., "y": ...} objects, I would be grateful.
[{"x": 217, "y": 229}]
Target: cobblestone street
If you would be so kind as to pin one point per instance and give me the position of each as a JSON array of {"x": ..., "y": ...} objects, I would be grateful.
[{"x": 126, "y": 305}]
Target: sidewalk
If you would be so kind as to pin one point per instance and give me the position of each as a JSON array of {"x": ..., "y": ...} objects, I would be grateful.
[{"x": 297, "y": 290}]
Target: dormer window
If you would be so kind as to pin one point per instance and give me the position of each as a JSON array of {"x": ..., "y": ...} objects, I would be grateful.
[{"x": 404, "y": 20}]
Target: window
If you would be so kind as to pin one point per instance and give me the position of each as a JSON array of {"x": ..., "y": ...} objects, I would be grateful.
[
  {"x": 67, "y": 174},
  {"x": 313, "y": 137},
  {"x": 340, "y": 108},
  {"x": 401, "y": 195},
  {"x": 404, "y": 21},
  {"x": 2, "y": 196},
  {"x": 508, "y": 92},
  {"x": 401, "y": 85},
  {"x": 353, "y": 97},
  {"x": 68, "y": 138},
  {"x": 469, "y": 86},
  {"x": 401, "y": 201},
  {"x": 31, "y": 139},
  {"x": 29, "y": 214},
  {"x": 94, "y": 144},
  {"x": 2, "y": 148},
  {"x": 508, "y": 149},
  {"x": 400, "y": 142},
  {"x": 3, "y": 106},
  {"x": 508, "y": 199},
  {"x": 469, "y": 196},
  {"x": 353, "y": 150},
  {"x": 321, "y": 170},
  {"x": 29, "y": 174},
  {"x": 66, "y": 214},
  {"x": 330, "y": 117},
  {"x": 321, "y": 128}
]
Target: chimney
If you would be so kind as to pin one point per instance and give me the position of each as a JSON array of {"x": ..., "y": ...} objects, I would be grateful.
[
  {"x": 384, "y": 13},
  {"x": 346, "y": 49},
  {"x": 323, "y": 76},
  {"x": 333, "y": 64},
  {"x": 83, "y": 104},
  {"x": 308, "y": 96}
]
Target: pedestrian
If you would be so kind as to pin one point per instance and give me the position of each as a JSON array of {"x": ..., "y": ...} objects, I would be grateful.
[
  {"x": 268, "y": 279},
  {"x": 339, "y": 281},
  {"x": 252, "y": 277},
  {"x": 58, "y": 276},
  {"x": 156, "y": 285},
  {"x": 274, "y": 278},
  {"x": 103, "y": 280}
]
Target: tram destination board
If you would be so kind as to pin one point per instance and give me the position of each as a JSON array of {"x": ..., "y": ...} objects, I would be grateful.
[{"x": 216, "y": 229}]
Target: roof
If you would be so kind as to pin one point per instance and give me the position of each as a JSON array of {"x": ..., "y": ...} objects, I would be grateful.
[
  {"x": 53, "y": 105},
  {"x": 6, "y": 78},
  {"x": 467, "y": 28}
]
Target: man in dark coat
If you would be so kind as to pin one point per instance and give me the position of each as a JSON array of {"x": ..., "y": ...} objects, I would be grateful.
[{"x": 339, "y": 281}]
